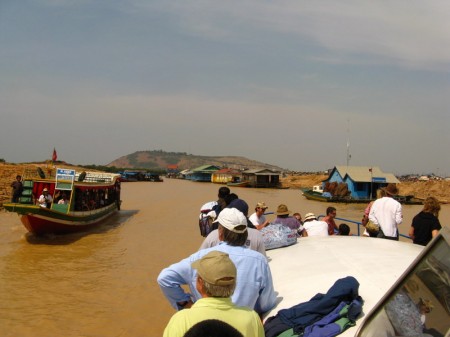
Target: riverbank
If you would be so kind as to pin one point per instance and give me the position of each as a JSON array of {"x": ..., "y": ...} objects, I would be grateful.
[{"x": 420, "y": 189}]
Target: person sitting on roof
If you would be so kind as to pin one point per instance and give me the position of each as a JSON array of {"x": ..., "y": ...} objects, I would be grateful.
[
  {"x": 315, "y": 227},
  {"x": 288, "y": 221},
  {"x": 257, "y": 218}
]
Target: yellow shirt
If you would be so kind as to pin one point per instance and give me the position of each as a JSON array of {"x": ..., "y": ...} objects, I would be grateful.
[{"x": 245, "y": 320}]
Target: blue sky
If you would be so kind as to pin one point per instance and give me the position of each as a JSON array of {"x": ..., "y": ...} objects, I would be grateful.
[{"x": 288, "y": 83}]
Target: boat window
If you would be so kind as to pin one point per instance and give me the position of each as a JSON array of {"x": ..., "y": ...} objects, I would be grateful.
[{"x": 419, "y": 303}]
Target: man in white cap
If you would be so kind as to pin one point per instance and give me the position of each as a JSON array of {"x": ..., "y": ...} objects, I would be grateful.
[
  {"x": 45, "y": 200},
  {"x": 216, "y": 281},
  {"x": 315, "y": 227},
  {"x": 254, "y": 285},
  {"x": 254, "y": 240}
]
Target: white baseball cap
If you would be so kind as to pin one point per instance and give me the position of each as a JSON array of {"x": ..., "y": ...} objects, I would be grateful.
[{"x": 230, "y": 218}]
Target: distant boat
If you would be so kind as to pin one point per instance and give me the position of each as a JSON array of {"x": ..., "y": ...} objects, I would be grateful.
[
  {"x": 91, "y": 197},
  {"x": 319, "y": 196},
  {"x": 238, "y": 183}
]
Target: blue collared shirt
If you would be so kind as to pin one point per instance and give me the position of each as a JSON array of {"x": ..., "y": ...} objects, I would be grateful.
[{"x": 254, "y": 286}]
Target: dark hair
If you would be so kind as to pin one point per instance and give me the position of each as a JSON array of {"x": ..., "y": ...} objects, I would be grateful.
[
  {"x": 223, "y": 192},
  {"x": 234, "y": 239},
  {"x": 230, "y": 197},
  {"x": 344, "y": 229},
  {"x": 240, "y": 205},
  {"x": 212, "y": 328},
  {"x": 330, "y": 210}
]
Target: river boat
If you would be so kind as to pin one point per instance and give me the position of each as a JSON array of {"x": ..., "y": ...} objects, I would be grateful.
[
  {"x": 90, "y": 198},
  {"x": 238, "y": 183},
  {"x": 319, "y": 196},
  {"x": 394, "y": 277}
]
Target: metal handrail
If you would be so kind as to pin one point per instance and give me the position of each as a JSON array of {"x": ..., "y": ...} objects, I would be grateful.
[{"x": 358, "y": 223}]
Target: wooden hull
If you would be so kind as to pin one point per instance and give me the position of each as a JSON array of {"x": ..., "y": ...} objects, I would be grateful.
[
  {"x": 311, "y": 195},
  {"x": 239, "y": 184},
  {"x": 39, "y": 221}
]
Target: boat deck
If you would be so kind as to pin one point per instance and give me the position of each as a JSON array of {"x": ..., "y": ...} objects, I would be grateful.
[{"x": 313, "y": 265}]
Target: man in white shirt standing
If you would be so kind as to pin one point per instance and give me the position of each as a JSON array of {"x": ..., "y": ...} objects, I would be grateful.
[{"x": 386, "y": 212}]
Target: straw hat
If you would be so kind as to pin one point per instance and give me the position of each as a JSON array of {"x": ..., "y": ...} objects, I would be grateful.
[
  {"x": 390, "y": 189},
  {"x": 310, "y": 216},
  {"x": 282, "y": 210}
]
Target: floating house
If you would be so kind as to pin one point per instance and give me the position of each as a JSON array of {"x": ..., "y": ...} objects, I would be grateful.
[
  {"x": 226, "y": 175},
  {"x": 172, "y": 171},
  {"x": 262, "y": 178},
  {"x": 362, "y": 181},
  {"x": 202, "y": 173}
]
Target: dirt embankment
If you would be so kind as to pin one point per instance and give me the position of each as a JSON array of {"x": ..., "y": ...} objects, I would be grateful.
[
  {"x": 420, "y": 189},
  {"x": 439, "y": 189}
]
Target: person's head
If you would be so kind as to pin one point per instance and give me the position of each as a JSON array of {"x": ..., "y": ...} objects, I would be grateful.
[
  {"x": 18, "y": 177},
  {"x": 232, "y": 227},
  {"x": 223, "y": 192},
  {"x": 216, "y": 275},
  {"x": 431, "y": 205},
  {"x": 298, "y": 216},
  {"x": 425, "y": 306},
  {"x": 282, "y": 211},
  {"x": 230, "y": 197},
  {"x": 260, "y": 208},
  {"x": 212, "y": 328},
  {"x": 239, "y": 204},
  {"x": 344, "y": 229},
  {"x": 309, "y": 217},
  {"x": 45, "y": 191},
  {"x": 391, "y": 190},
  {"x": 331, "y": 211}
]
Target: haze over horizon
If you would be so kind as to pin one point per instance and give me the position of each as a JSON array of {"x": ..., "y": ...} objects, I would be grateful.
[{"x": 292, "y": 84}]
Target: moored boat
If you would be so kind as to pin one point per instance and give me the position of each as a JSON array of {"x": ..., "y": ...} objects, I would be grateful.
[
  {"x": 90, "y": 197},
  {"x": 238, "y": 183},
  {"x": 318, "y": 196}
]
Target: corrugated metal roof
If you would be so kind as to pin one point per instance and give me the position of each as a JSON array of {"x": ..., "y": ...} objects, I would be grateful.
[
  {"x": 206, "y": 168},
  {"x": 262, "y": 171},
  {"x": 363, "y": 174}
]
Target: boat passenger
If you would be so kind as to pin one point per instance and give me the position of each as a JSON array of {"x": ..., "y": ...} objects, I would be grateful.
[
  {"x": 255, "y": 239},
  {"x": 315, "y": 227},
  {"x": 17, "y": 189},
  {"x": 63, "y": 200},
  {"x": 426, "y": 225},
  {"x": 298, "y": 216},
  {"x": 212, "y": 327},
  {"x": 45, "y": 200},
  {"x": 257, "y": 218},
  {"x": 344, "y": 230},
  {"x": 254, "y": 286},
  {"x": 386, "y": 212},
  {"x": 288, "y": 221},
  {"x": 329, "y": 219},
  {"x": 215, "y": 281}
]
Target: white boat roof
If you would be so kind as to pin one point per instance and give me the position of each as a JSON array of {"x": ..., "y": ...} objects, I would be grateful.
[{"x": 314, "y": 264}]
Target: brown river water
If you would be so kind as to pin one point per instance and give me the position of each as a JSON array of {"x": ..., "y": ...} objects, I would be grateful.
[{"x": 103, "y": 282}]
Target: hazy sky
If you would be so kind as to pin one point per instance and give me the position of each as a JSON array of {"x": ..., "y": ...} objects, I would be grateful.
[{"x": 288, "y": 83}]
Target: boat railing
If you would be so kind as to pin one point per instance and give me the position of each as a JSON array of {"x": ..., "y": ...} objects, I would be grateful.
[{"x": 358, "y": 225}]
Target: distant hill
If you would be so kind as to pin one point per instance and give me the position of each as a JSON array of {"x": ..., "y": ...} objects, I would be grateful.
[{"x": 160, "y": 160}]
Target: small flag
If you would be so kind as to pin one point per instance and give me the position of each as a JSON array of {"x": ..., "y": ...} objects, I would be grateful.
[{"x": 54, "y": 156}]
